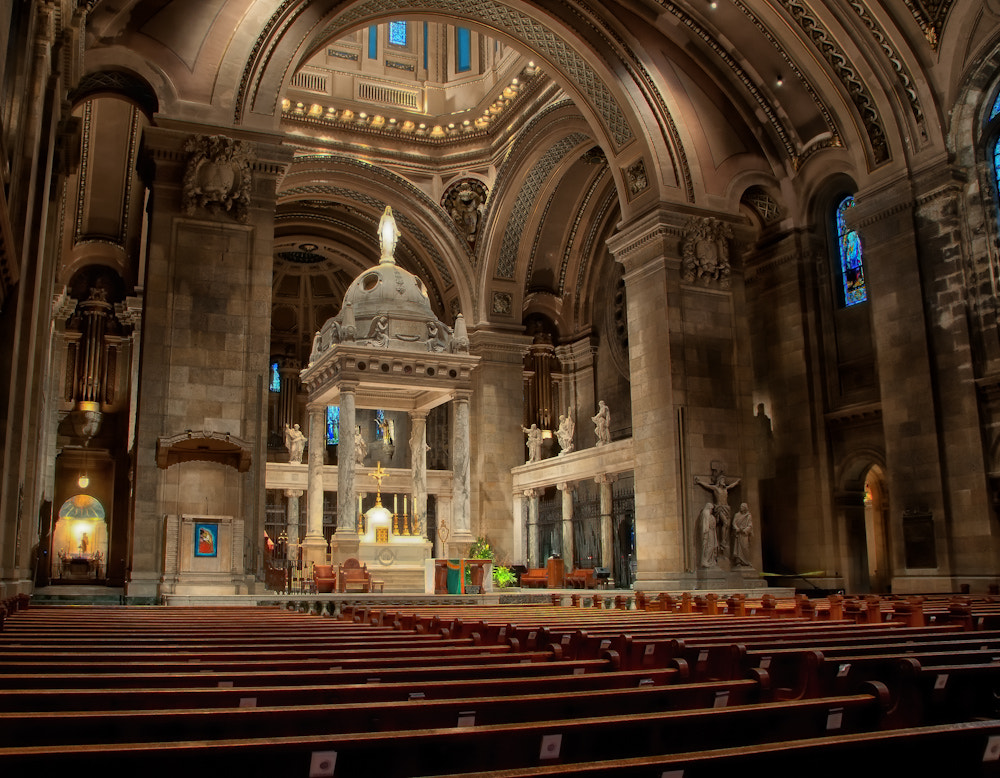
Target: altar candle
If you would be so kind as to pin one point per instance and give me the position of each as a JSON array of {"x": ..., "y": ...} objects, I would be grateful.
[
  {"x": 405, "y": 497},
  {"x": 395, "y": 504}
]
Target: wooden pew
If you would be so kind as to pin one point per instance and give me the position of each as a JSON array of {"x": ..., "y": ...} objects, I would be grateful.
[{"x": 487, "y": 747}]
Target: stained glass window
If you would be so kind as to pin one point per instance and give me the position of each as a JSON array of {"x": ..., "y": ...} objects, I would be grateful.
[
  {"x": 372, "y": 42},
  {"x": 996, "y": 107},
  {"x": 397, "y": 33},
  {"x": 275, "y": 378},
  {"x": 332, "y": 425},
  {"x": 851, "y": 265},
  {"x": 464, "y": 61}
]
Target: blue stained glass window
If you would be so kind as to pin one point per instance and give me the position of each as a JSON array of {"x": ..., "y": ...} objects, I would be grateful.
[
  {"x": 332, "y": 425},
  {"x": 425, "y": 45},
  {"x": 464, "y": 37},
  {"x": 372, "y": 42},
  {"x": 851, "y": 264},
  {"x": 275, "y": 378},
  {"x": 380, "y": 425},
  {"x": 397, "y": 33},
  {"x": 996, "y": 161},
  {"x": 996, "y": 107}
]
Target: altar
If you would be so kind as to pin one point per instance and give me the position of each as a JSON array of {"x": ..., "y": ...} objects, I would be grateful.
[{"x": 392, "y": 545}]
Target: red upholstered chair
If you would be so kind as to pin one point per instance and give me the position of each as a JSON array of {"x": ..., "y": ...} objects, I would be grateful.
[
  {"x": 325, "y": 578},
  {"x": 354, "y": 576}
]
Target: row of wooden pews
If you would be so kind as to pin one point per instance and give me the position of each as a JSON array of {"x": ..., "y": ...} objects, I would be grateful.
[{"x": 493, "y": 690}]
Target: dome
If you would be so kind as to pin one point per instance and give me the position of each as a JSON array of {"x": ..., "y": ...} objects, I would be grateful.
[{"x": 387, "y": 307}]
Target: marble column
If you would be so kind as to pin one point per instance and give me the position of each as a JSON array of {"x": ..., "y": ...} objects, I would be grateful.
[
  {"x": 607, "y": 520},
  {"x": 518, "y": 545},
  {"x": 292, "y": 517},
  {"x": 532, "y": 497},
  {"x": 418, "y": 470},
  {"x": 461, "y": 483},
  {"x": 567, "y": 490},
  {"x": 347, "y": 521},
  {"x": 314, "y": 546}
]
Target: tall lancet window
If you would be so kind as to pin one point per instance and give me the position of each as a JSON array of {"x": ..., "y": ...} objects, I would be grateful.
[
  {"x": 994, "y": 111},
  {"x": 852, "y": 271}
]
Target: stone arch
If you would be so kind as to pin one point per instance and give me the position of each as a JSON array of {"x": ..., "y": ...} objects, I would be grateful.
[
  {"x": 438, "y": 249},
  {"x": 293, "y": 32}
]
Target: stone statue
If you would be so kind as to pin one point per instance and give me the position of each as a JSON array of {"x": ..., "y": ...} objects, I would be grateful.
[
  {"x": 742, "y": 530},
  {"x": 378, "y": 335},
  {"x": 602, "y": 424},
  {"x": 565, "y": 432},
  {"x": 360, "y": 447},
  {"x": 388, "y": 234},
  {"x": 708, "y": 532},
  {"x": 84, "y": 544},
  {"x": 295, "y": 442},
  {"x": 719, "y": 487},
  {"x": 534, "y": 442}
]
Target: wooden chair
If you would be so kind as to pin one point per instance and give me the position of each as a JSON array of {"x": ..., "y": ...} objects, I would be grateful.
[
  {"x": 325, "y": 578},
  {"x": 354, "y": 576}
]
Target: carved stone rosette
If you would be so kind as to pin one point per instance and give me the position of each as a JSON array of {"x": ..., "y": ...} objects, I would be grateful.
[
  {"x": 705, "y": 252},
  {"x": 218, "y": 175}
]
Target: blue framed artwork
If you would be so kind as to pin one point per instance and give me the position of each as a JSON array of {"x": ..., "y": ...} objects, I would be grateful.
[{"x": 206, "y": 539}]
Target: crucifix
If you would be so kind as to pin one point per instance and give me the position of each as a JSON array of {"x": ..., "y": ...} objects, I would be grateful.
[{"x": 378, "y": 474}]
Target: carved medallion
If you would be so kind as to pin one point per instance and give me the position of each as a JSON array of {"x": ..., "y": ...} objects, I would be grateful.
[
  {"x": 218, "y": 175},
  {"x": 705, "y": 252}
]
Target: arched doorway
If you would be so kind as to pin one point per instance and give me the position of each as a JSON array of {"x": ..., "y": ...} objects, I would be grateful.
[
  {"x": 864, "y": 512},
  {"x": 876, "y": 505}
]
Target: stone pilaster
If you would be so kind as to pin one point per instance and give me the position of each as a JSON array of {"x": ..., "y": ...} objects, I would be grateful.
[
  {"x": 497, "y": 410},
  {"x": 649, "y": 251},
  {"x": 206, "y": 334}
]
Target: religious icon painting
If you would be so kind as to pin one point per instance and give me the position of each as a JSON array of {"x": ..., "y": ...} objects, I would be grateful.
[{"x": 206, "y": 539}]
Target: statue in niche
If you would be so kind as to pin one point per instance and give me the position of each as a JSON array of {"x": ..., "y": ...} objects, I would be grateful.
[
  {"x": 534, "y": 442},
  {"x": 708, "y": 531},
  {"x": 84, "y": 544},
  {"x": 295, "y": 442},
  {"x": 742, "y": 530},
  {"x": 360, "y": 447},
  {"x": 602, "y": 424},
  {"x": 565, "y": 432}
]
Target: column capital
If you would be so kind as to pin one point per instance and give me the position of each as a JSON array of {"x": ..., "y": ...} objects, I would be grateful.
[
  {"x": 290, "y": 493},
  {"x": 606, "y": 478},
  {"x": 567, "y": 486},
  {"x": 529, "y": 493}
]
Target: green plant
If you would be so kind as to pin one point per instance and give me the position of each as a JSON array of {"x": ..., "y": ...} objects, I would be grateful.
[
  {"x": 480, "y": 549},
  {"x": 503, "y": 576}
]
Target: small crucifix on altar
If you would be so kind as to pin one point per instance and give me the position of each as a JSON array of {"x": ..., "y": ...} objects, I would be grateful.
[{"x": 378, "y": 474}]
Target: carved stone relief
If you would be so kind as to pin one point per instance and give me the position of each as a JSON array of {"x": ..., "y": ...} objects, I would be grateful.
[
  {"x": 705, "y": 252},
  {"x": 218, "y": 175}
]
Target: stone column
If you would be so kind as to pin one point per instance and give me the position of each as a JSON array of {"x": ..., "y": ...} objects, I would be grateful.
[
  {"x": 288, "y": 371},
  {"x": 418, "y": 469},
  {"x": 567, "y": 490},
  {"x": 314, "y": 546},
  {"x": 345, "y": 539},
  {"x": 461, "y": 535},
  {"x": 292, "y": 516},
  {"x": 519, "y": 551},
  {"x": 643, "y": 249},
  {"x": 607, "y": 520},
  {"x": 532, "y": 496}
]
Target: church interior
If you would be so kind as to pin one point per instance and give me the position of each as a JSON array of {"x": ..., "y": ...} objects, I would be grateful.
[
  {"x": 499, "y": 387},
  {"x": 701, "y": 294}
]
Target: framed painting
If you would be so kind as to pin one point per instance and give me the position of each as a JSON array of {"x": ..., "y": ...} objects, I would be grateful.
[{"x": 206, "y": 539}]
